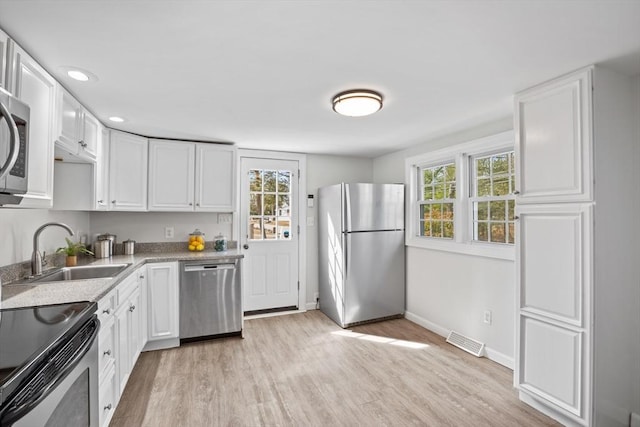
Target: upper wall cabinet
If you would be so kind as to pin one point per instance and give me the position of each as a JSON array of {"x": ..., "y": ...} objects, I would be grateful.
[
  {"x": 4, "y": 46},
  {"x": 77, "y": 130},
  {"x": 553, "y": 140},
  {"x": 33, "y": 85},
  {"x": 128, "y": 172},
  {"x": 187, "y": 176}
]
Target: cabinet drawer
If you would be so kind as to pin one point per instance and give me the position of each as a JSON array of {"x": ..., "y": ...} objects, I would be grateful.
[
  {"x": 126, "y": 288},
  {"x": 107, "y": 397},
  {"x": 106, "y": 308},
  {"x": 106, "y": 346}
]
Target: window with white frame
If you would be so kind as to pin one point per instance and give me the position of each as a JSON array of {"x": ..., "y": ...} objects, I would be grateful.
[
  {"x": 438, "y": 196},
  {"x": 463, "y": 198},
  {"x": 492, "y": 197}
]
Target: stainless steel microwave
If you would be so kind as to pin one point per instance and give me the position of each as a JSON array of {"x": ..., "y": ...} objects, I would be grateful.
[{"x": 14, "y": 146}]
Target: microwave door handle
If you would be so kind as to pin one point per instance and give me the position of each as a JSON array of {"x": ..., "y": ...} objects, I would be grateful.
[{"x": 14, "y": 142}]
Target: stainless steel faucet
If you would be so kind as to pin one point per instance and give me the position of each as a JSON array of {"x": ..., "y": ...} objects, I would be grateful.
[{"x": 36, "y": 258}]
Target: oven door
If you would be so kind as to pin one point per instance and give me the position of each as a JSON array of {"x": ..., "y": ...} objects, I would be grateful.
[{"x": 70, "y": 398}]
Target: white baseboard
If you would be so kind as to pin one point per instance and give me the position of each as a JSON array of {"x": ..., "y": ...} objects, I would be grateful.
[
  {"x": 311, "y": 306},
  {"x": 490, "y": 354}
]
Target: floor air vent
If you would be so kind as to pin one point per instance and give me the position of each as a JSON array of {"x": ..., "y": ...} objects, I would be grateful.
[{"x": 467, "y": 344}]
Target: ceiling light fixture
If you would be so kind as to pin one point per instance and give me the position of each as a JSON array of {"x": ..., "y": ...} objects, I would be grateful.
[
  {"x": 116, "y": 119},
  {"x": 78, "y": 75},
  {"x": 357, "y": 103}
]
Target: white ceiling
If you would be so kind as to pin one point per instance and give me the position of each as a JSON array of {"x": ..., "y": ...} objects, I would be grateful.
[{"x": 262, "y": 74}]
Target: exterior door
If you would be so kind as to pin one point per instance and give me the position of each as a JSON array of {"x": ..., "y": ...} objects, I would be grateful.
[{"x": 269, "y": 233}]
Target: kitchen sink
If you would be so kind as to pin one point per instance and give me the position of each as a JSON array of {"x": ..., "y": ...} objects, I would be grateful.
[{"x": 83, "y": 272}]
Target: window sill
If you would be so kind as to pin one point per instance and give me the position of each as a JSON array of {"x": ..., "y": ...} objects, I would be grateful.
[{"x": 498, "y": 251}]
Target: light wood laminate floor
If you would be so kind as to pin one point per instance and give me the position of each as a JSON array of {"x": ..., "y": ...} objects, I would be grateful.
[{"x": 303, "y": 370}]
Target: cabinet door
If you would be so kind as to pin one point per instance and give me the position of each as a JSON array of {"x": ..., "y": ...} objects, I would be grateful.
[
  {"x": 162, "y": 294},
  {"x": 4, "y": 46},
  {"x": 215, "y": 178},
  {"x": 37, "y": 88},
  {"x": 69, "y": 123},
  {"x": 134, "y": 328},
  {"x": 127, "y": 172},
  {"x": 91, "y": 132},
  {"x": 553, "y": 123},
  {"x": 123, "y": 351},
  {"x": 171, "y": 175},
  {"x": 107, "y": 397},
  {"x": 101, "y": 171}
]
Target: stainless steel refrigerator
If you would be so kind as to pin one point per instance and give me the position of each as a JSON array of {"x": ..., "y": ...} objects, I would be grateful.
[{"x": 361, "y": 252}]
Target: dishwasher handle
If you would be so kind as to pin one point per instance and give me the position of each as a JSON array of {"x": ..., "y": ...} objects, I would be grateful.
[{"x": 205, "y": 267}]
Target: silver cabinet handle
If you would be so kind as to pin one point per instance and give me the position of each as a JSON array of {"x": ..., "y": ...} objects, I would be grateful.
[
  {"x": 107, "y": 311},
  {"x": 197, "y": 204},
  {"x": 190, "y": 204},
  {"x": 131, "y": 308},
  {"x": 101, "y": 202},
  {"x": 107, "y": 353},
  {"x": 113, "y": 201},
  {"x": 245, "y": 246}
]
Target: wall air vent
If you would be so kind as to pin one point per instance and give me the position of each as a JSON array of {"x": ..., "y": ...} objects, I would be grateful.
[{"x": 467, "y": 344}]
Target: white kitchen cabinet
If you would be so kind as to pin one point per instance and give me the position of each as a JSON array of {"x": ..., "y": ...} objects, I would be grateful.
[
  {"x": 202, "y": 176},
  {"x": 107, "y": 397},
  {"x": 215, "y": 178},
  {"x": 127, "y": 172},
  {"x": 141, "y": 274},
  {"x": 163, "y": 305},
  {"x": 127, "y": 320},
  {"x": 33, "y": 85},
  {"x": 4, "y": 49},
  {"x": 577, "y": 249},
  {"x": 77, "y": 130},
  {"x": 101, "y": 171},
  {"x": 171, "y": 175},
  {"x": 91, "y": 132}
]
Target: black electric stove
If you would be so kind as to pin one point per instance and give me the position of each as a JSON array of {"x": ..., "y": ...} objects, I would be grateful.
[{"x": 28, "y": 336}]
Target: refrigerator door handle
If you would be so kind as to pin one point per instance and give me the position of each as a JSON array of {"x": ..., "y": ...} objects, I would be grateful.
[{"x": 345, "y": 249}]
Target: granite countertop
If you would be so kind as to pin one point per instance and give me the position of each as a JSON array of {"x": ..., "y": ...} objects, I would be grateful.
[{"x": 45, "y": 293}]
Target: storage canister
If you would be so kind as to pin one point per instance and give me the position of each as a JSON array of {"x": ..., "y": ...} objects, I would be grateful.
[
  {"x": 220, "y": 243},
  {"x": 129, "y": 247},
  {"x": 196, "y": 240},
  {"x": 101, "y": 248}
]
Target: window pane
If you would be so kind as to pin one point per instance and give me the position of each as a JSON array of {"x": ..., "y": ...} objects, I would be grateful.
[
  {"x": 426, "y": 228},
  {"x": 482, "y": 167},
  {"x": 270, "y": 181},
  {"x": 482, "y": 234},
  {"x": 512, "y": 233},
  {"x": 511, "y": 209},
  {"x": 497, "y": 233},
  {"x": 438, "y": 174},
  {"x": 447, "y": 211},
  {"x": 255, "y": 180},
  {"x": 428, "y": 193},
  {"x": 427, "y": 175},
  {"x": 513, "y": 184},
  {"x": 482, "y": 211},
  {"x": 450, "y": 173},
  {"x": 284, "y": 228},
  {"x": 484, "y": 187},
  {"x": 283, "y": 205},
  {"x": 500, "y": 164},
  {"x": 255, "y": 204},
  {"x": 436, "y": 229},
  {"x": 255, "y": 228},
  {"x": 512, "y": 162},
  {"x": 269, "y": 228},
  {"x": 439, "y": 192},
  {"x": 269, "y": 204},
  {"x": 448, "y": 229},
  {"x": 497, "y": 210},
  {"x": 284, "y": 181},
  {"x": 425, "y": 211},
  {"x": 450, "y": 191},
  {"x": 501, "y": 186},
  {"x": 436, "y": 211}
]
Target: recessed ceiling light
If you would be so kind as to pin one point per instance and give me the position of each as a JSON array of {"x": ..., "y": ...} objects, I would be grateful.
[
  {"x": 116, "y": 119},
  {"x": 357, "y": 103},
  {"x": 78, "y": 75}
]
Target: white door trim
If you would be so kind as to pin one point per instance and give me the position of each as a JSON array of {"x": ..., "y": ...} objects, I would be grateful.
[{"x": 302, "y": 209}]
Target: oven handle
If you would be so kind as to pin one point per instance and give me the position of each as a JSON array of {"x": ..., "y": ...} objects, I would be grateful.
[
  {"x": 13, "y": 414},
  {"x": 14, "y": 144}
]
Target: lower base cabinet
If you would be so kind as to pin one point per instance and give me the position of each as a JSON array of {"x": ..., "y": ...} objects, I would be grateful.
[{"x": 107, "y": 396}]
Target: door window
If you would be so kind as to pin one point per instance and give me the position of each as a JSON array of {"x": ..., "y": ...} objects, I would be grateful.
[{"x": 269, "y": 204}]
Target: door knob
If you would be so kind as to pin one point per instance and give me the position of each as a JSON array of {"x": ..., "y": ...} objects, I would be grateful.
[{"x": 245, "y": 246}]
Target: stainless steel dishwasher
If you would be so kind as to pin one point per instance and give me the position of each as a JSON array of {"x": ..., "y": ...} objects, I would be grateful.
[{"x": 210, "y": 299}]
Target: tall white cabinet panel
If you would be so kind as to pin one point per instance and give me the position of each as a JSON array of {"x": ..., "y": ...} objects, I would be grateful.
[
  {"x": 215, "y": 178},
  {"x": 101, "y": 171},
  {"x": 127, "y": 172},
  {"x": 553, "y": 141},
  {"x": 578, "y": 247},
  {"x": 37, "y": 88},
  {"x": 162, "y": 302},
  {"x": 69, "y": 126},
  {"x": 171, "y": 169},
  {"x": 4, "y": 46}
]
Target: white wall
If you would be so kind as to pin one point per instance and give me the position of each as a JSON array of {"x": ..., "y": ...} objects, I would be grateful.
[
  {"x": 322, "y": 171},
  {"x": 448, "y": 291},
  {"x": 149, "y": 226},
  {"x": 18, "y": 225}
]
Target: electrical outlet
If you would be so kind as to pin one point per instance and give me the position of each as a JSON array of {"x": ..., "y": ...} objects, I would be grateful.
[
  {"x": 168, "y": 232},
  {"x": 487, "y": 317}
]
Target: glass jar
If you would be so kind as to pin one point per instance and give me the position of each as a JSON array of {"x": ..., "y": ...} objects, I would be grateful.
[
  {"x": 220, "y": 243},
  {"x": 196, "y": 240}
]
